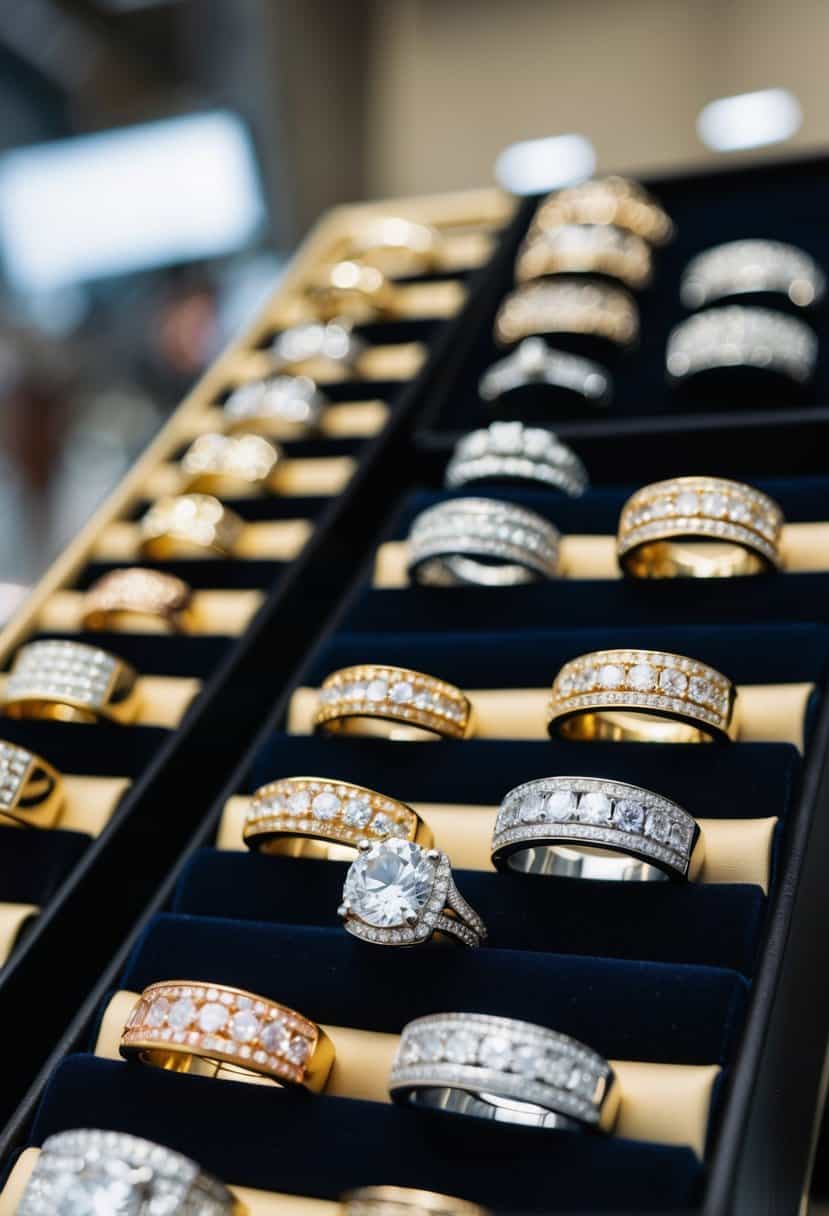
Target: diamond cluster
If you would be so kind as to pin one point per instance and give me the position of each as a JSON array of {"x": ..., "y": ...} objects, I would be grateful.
[
  {"x": 133, "y": 589},
  {"x": 312, "y": 806},
  {"x": 332, "y": 341},
  {"x": 738, "y": 267},
  {"x": 66, "y": 671},
  {"x": 293, "y": 399},
  {"x": 249, "y": 458},
  {"x": 504, "y": 1057},
  {"x": 15, "y": 766},
  {"x": 481, "y": 529},
  {"x": 736, "y": 336},
  {"x": 514, "y": 451},
  {"x": 590, "y": 248},
  {"x": 396, "y": 693},
  {"x": 551, "y": 306},
  {"x": 197, "y": 519},
  {"x": 609, "y": 200}
]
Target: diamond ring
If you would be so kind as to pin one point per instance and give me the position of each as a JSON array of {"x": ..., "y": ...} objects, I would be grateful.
[
  {"x": 131, "y": 598},
  {"x": 351, "y": 289},
  {"x": 740, "y": 336},
  {"x": 742, "y": 267},
  {"x": 71, "y": 682},
  {"x": 315, "y": 817},
  {"x": 217, "y": 1031},
  {"x": 534, "y": 362},
  {"x": 31, "y": 791},
  {"x": 510, "y": 451},
  {"x": 189, "y": 525},
  {"x": 229, "y": 466},
  {"x": 103, "y": 1171},
  {"x": 265, "y": 405},
  {"x": 317, "y": 348},
  {"x": 503, "y": 1069},
  {"x": 393, "y": 702},
  {"x": 585, "y": 249},
  {"x": 403, "y": 1201},
  {"x": 564, "y": 307},
  {"x": 397, "y": 893},
  {"x": 644, "y": 696},
  {"x": 610, "y": 200},
  {"x": 699, "y": 527},
  {"x": 396, "y": 246},
  {"x": 587, "y": 827}
]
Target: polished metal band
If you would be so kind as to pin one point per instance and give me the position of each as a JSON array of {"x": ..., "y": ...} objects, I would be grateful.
[
  {"x": 292, "y": 400},
  {"x": 585, "y": 249},
  {"x": 741, "y": 336},
  {"x": 403, "y": 1201},
  {"x": 740, "y": 267},
  {"x": 71, "y": 682},
  {"x": 609, "y": 200},
  {"x": 510, "y": 451},
  {"x": 330, "y": 344},
  {"x": 229, "y": 465},
  {"x": 534, "y": 362},
  {"x": 551, "y": 306},
  {"x": 393, "y": 702}
]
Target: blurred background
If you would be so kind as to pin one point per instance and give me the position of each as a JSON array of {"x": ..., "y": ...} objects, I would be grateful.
[{"x": 159, "y": 160}]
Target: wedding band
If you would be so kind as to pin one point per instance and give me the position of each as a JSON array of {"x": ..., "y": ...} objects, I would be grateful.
[
  {"x": 351, "y": 289},
  {"x": 131, "y": 598},
  {"x": 534, "y": 362},
  {"x": 217, "y": 1031},
  {"x": 585, "y": 249},
  {"x": 101, "y": 1171},
  {"x": 552, "y": 307},
  {"x": 229, "y": 466},
  {"x": 610, "y": 200},
  {"x": 189, "y": 525},
  {"x": 71, "y": 682},
  {"x": 393, "y": 702},
  {"x": 314, "y": 817},
  {"x": 587, "y": 827},
  {"x": 739, "y": 267},
  {"x": 699, "y": 527},
  {"x": 510, "y": 451},
  {"x": 294, "y": 400},
  {"x": 396, "y": 245},
  {"x": 740, "y": 336},
  {"x": 397, "y": 893},
  {"x": 403, "y": 1201},
  {"x": 481, "y": 542},
  {"x": 332, "y": 345},
  {"x": 31, "y": 791},
  {"x": 503, "y": 1069},
  {"x": 641, "y": 696}
]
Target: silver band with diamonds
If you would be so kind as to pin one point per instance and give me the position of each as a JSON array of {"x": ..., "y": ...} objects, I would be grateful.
[
  {"x": 482, "y": 542},
  {"x": 510, "y": 451},
  {"x": 739, "y": 336},
  {"x": 331, "y": 345},
  {"x": 587, "y": 827},
  {"x": 534, "y": 362},
  {"x": 292, "y": 400},
  {"x": 740, "y": 267},
  {"x": 503, "y": 1069},
  {"x": 103, "y": 1171}
]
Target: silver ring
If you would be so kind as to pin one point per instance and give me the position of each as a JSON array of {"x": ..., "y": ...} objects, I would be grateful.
[
  {"x": 739, "y": 267},
  {"x": 738, "y": 336},
  {"x": 511, "y": 451},
  {"x": 101, "y": 1171},
  {"x": 397, "y": 893},
  {"x": 503, "y": 1069},
  {"x": 331, "y": 342},
  {"x": 534, "y": 362},
  {"x": 586, "y": 827},
  {"x": 292, "y": 399},
  {"x": 482, "y": 542}
]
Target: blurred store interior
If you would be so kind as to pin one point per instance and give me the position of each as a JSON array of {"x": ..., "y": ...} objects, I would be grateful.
[{"x": 159, "y": 160}]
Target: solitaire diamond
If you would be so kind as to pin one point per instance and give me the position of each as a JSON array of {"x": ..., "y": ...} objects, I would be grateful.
[{"x": 389, "y": 883}]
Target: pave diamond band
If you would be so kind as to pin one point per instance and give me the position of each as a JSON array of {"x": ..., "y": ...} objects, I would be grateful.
[
  {"x": 534, "y": 362},
  {"x": 741, "y": 336},
  {"x": 585, "y": 249},
  {"x": 316, "y": 817},
  {"x": 587, "y": 827},
  {"x": 642, "y": 696},
  {"x": 553, "y": 306},
  {"x": 259, "y": 405},
  {"x": 31, "y": 791},
  {"x": 229, "y": 465},
  {"x": 87, "y": 1170},
  {"x": 699, "y": 527},
  {"x": 609, "y": 200},
  {"x": 403, "y": 1201},
  {"x": 131, "y": 597},
  {"x": 189, "y": 525},
  {"x": 317, "y": 348},
  {"x": 217, "y": 1031},
  {"x": 510, "y": 451},
  {"x": 503, "y": 1069},
  {"x": 71, "y": 682},
  {"x": 393, "y": 702},
  {"x": 482, "y": 542},
  {"x": 741, "y": 267}
]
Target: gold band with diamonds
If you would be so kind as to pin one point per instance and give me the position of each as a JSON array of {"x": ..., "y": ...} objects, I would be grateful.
[
  {"x": 71, "y": 682},
  {"x": 229, "y": 466},
  {"x": 699, "y": 527},
  {"x": 552, "y": 306},
  {"x": 395, "y": 245},
  {"x": 189, "y": 525},
  {"x": 218, "y": 1031},
  {"x": 351, "y": 289},
  {"x": 132, "y": 599},
  {"x": 585, "y": 249},
  {"x": 642, "y": 696},
  {"x": 611, "y": 200},
  {"x": 403, "y": 1201},
  {"x": 316, "y": 817},
  {"x": 392, "y": 702},
  {"x": 31, "y": 791}
]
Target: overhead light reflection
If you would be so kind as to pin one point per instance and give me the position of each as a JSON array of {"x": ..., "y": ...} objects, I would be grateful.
[
  {"x": 749, "y": 120},
  {"x": 534, "y": 166}
]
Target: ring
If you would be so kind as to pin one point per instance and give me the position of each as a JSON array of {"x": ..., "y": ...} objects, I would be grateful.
[
  {"x": 503, "y": 1069},
  {"x": 738, "y": 336},
  {"x": 585, "y": 249},
  {"x": 131, "y": 598},
  {"x": 610, "y": 200},
  {"x": 534, "y": 362},
  {"x": 393, "y": 702},
  {"x": 313, "y": 817},
  {"x": 641, "y": 696},
  {"x": 699, "y": 527},
  {"x": 740, "y": 267},
  {"x": 31, "y": 791},
  {"x": 552, "y": 307},
  {"x": 291, "y": 399},
  {"x": 333, "y": 345},
  {"x": 399, "y": 894},
  {"x": 586, "y": 827},
  {"x": 217, "y": 1031},
  {"x": 481, "y": 542},
  {"x": 403, "y": 1201},
  {"x": 353, "y": 290},
  {"x": 510, "y": 451},
  {"x": 102, "y": 1171},
  {"x": 71, "y": 682},
  {"x": 229, "y": 465},
  {"x": 396, "y": 245},
  {"x": 189, "y": 525}
]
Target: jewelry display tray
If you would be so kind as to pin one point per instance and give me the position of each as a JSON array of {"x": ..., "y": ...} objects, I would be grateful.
[{"x": 759, "y": 1008}]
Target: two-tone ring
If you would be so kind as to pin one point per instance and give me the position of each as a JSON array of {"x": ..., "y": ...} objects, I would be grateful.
[
  {"x": 71, "y": 682},
  {"x": 404, "y": 1201},
  {"x": 392, "y": 702},
  {"x": 31, "y": 790},
  {"x": 745, "y": 267},
  {"x": 534, "y": 362},
  {"x": 189, "y": 525},
  {"x": 585, "y": 249},
  {"x": 482, "y": 542},
  {"x": 229, "y": 465},
  {"x": 291, "y": 401},
  {"x": 132, "y": 599},
  {"x": 503, "y": 1069},
  {"x": 609, "y": 200},
  {"x": 736, "y": 335},
  {"x": 589, "y": 827},
  {"x": 512, "y": 452},
  {"x": 316, "y": 347},
  {"x": 565, "y": 307}
]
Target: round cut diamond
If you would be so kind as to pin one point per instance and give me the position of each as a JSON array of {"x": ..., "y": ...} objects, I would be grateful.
[
  {"x": 96, "y": 1192},
  {"x": 611, "y": 676},
  {"x": 357, "y": 812},
  {"x": 325, "y": 805},
  {"x": 401, "y": 692},
  {"x": 560, "y": 805},
  {"x": 672, "y": 681},
  {"x": 527, "y": 1061},
  {"x": 461, "y": 1047},
  {"x": 382, "y": 825},
  {"x": 641, "y": 676},
  {"x": 377, "y": 690},
  {"x": 594, "y": 808},
  {"x": 299, "y": 802},
  {"x": 389, "y": 883},
  {"x": 740, "y": 511},
  {"x": 659, "y": 826},
  {"x": 182, "y": 1013},
  {"x": 495, "y": 1052},
  {"x": 213, "y": 1017},
  {"x": 687, "y": 503},
  {"x": 629, "y": 816},
  {"x": 275, "y": 1038},
  {"x": 244, "y": 1026},
  {"x": 700, "y": 689},
  {"x": 158, "y": 1011},
  {"x": 715, "y": 504},
  {"x": 298, "y": 1049}
]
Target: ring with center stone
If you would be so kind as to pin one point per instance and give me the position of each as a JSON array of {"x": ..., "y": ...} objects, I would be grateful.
[
  {"x": 535, "y": 362},
  {"x": 229, "y": 465},
  {"x": 292, "y": 403},
  {"x": 351, "y": 289}
]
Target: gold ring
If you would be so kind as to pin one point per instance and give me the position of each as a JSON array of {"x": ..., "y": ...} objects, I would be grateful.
[
  {"x": 217, "y": 1031},
  {"x": 610, "y": 200},
  {"x": 351, "y": 289},
  {"x": 71, "y": 682},
  {"x": 396, "y": 246},
  {"x": 392, "y": 702},
  {"x": 134, "y": 599},
  {"x": 699, "y": 527},
  {"x": 642, "y": 696},
  {"x": 404, "y": 1201},
  {"x": 585, "y": 249},
  {"x": 314, "y": 817},
  {"x": 566, "y": 307},
  {"x": 229, "y": 466},
  {"x": 189, "y": 525},
  {"x": 31, "y": 791}
]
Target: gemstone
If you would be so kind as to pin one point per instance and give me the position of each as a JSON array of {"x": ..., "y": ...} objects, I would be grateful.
[
  {"x": 628, "y": 816},
  {"x": 389, "y": 883},
  {"x": 357, "y": 812},
  {"x": 299, "y": 802},
  {"x": 557, "y": 1072},
  {"x": 532, "y": 808},
  {"x": 641, "y": 676},
  {"x": 213, "y": 1016},
  {"x": 561, "y": 805},
  {"x": 99, "y": 1191},
  {"x": 611, "y": 676},
  {"x": 740, "y": 511},
  {"x": 461, "y": 1047},
  {"x": 158, "y": 1011},
  {"x": 672, "y": 681},
  {"x": 715, "y": 504},
  {"x": 687, "y": 503},
  {"x": 325, "y": 805},
  {"x": 182, "y": 1014},
  {"x": 401, "y": 692},
  {"x": 409, "y": 1052},
  {"x": 700, "y": 689},
  {"x": 377, "y": 690},
  {"x": 275, "y": 1038},
  {"x": 659, "y": 826},
  {"x": 526, "y": 1060},
  {"x": 382, "y": 825},
  {"x": 299, "y": 1049},
  {"x": 495, "y": 1051},
  {"x": 244, "y": 1026},
  {"x": 680, "y": 837},
  {"x": 594, "y": 808}
]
